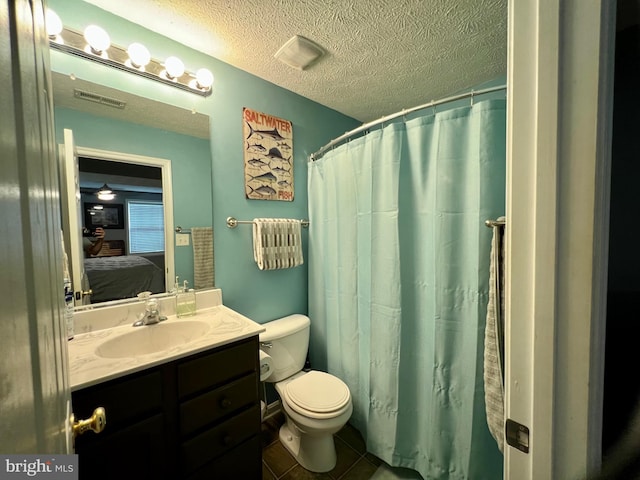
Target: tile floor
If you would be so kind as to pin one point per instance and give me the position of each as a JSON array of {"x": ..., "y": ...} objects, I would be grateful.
[{"x": 354, "y": 463}]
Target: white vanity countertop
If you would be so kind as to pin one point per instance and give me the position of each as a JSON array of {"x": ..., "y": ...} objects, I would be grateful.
[{"x": 88, "y": 368}]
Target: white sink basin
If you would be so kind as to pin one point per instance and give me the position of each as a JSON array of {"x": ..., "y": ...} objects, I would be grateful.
[{"x": 148, "y": 339}]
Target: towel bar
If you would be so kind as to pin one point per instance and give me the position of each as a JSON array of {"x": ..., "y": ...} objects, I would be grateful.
[
  {"x": 232, "y": 222},
  {"x": 495, "y": 223}
]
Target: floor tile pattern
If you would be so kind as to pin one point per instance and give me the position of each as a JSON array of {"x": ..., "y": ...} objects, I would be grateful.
[{"x": 354, "y": 463}]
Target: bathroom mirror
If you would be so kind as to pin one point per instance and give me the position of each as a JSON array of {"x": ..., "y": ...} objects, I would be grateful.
[{"x": 107, "y": 120}]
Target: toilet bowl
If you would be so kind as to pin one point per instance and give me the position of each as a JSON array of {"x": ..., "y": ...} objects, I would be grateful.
[{"x": 316, "y": 404}]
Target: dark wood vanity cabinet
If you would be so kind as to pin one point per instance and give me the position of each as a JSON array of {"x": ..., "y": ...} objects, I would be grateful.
[{"x": 194, "y": 418}]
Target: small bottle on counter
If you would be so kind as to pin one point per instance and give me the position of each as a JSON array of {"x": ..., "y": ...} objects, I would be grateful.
[{"x": 186, "y": 301}]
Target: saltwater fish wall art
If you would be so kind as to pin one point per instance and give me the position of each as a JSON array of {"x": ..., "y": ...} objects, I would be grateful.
[{"x": 268, "y": 156}]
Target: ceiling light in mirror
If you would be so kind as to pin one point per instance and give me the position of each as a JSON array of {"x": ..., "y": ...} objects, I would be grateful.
[{"x": 105, "y": 193}]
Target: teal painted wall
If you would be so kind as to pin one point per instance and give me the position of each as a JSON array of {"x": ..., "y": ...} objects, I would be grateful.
[
  {"x": 190, "y": 165},
  {"x": 262, "y": 296}
]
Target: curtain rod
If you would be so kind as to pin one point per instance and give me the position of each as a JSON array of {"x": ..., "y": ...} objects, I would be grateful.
[{"x": 433, "y": 103}]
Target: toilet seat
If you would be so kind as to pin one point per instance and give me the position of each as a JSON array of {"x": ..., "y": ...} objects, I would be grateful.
[{"x": 317, "y": 395}]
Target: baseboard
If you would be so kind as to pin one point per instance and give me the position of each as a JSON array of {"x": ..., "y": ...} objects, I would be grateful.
[{"x": 272, "y": 409}]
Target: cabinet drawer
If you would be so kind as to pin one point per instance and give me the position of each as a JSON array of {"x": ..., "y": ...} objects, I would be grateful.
[
  {"x": 213, "y": 443},
  {"x": 243, "y": 462},
  {"x": 211, "y": 406},
  {"x": 137, "y": 396},
  {"x": 212, "y": 369}
]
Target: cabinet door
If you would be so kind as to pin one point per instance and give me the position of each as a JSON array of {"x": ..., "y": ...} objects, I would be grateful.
[
  {"x": 135, "y": 442},
  {"x": 125, "y": 400},
  {"x": 213, "y": 443},
  {"x": 243, "y": 462},
  {"x": 137, "y": 451}
]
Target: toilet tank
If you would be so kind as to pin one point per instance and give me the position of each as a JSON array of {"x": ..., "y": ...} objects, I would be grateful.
[{"x": 289, "y": 340}]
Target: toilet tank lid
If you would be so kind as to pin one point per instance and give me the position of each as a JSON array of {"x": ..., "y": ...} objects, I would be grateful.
[{"x": 282, "y": 327}]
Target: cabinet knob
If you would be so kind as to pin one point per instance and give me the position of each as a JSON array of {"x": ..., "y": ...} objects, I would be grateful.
[
  {"x": 96, "y": 422},
  {"x": 225, "y": 402}
]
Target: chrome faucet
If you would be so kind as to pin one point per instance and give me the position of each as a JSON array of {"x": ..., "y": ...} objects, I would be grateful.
[{"x": 151, "y": 314}]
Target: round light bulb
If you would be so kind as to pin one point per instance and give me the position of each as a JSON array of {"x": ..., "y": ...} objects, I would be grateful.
[
  {"x": 174, "y": 67},
  {"x": 204, "y": 78},
  {"x": 53, "y": 22},
  {"x": 97, "y": 38},
  {"x": 139, "y": 55}
]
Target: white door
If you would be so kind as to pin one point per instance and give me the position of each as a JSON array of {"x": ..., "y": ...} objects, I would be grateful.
[
  {"x": 34, "y": 386},
  {"x": 71, "y": 215}
]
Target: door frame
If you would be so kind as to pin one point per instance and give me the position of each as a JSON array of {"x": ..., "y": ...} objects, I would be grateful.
[
  {"x": 164, "y": 164},
  {"x": 35, "y": 393},
  {"x": 560, "y": 101}
]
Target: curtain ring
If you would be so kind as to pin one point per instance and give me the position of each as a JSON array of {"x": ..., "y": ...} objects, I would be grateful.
[{"x": 472, "y": 98}]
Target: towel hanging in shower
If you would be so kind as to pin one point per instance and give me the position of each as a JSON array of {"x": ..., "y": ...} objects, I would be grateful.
[
  {"x": 494, "y": 341},
  {"x": 277, "y": 243}
]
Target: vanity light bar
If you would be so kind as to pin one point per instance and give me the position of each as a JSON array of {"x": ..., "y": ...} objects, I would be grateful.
[{"x": 74, "y": 43}]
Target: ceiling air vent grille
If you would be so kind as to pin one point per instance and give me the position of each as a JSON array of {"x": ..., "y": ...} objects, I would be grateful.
[{"x": 93, "y": 97}]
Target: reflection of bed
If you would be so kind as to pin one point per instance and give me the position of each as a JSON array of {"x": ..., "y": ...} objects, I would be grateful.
[{"x": 116, "y": 277}]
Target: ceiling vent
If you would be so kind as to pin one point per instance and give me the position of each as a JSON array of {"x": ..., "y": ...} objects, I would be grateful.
[
  {"x": 300, "y": 52},
  {"x": 94, "y": 97}
]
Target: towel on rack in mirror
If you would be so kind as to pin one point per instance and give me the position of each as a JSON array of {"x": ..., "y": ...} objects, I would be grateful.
[
  {"x": 202, "y": 257},
  {"x": 277, "y": 243}
]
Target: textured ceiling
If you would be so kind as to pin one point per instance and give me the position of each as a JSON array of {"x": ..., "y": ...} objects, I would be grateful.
[{"x": 383, "y": 55}]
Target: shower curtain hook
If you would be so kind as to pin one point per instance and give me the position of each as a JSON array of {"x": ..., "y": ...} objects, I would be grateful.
[
  {"x": 433, "y": 106},
  {"x": 472, "y": 98}
]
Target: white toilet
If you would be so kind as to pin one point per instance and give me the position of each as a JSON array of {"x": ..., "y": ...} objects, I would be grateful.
[{"x": 316, "y": 404}]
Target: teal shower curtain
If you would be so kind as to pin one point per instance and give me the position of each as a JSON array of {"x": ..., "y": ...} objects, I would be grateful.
[{"x": 398, "y": 284}]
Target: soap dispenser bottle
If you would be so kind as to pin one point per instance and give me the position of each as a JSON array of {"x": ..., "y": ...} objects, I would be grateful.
[{"x": 185, "y": 301}]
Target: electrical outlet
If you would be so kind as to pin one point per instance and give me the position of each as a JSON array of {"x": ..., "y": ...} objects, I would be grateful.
[{"x": 182, "y": 239}]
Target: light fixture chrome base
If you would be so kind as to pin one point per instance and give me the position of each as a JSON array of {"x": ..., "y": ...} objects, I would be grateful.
[{"x": 73, "y": 43}]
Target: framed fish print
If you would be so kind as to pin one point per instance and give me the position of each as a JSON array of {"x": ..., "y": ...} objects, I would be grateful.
[{"x": 268, "y": 156}]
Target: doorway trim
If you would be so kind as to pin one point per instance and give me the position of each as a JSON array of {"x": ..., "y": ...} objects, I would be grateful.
[
  {"x": 560, "y": 98},
  {"x": 167, "y": 196}
]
